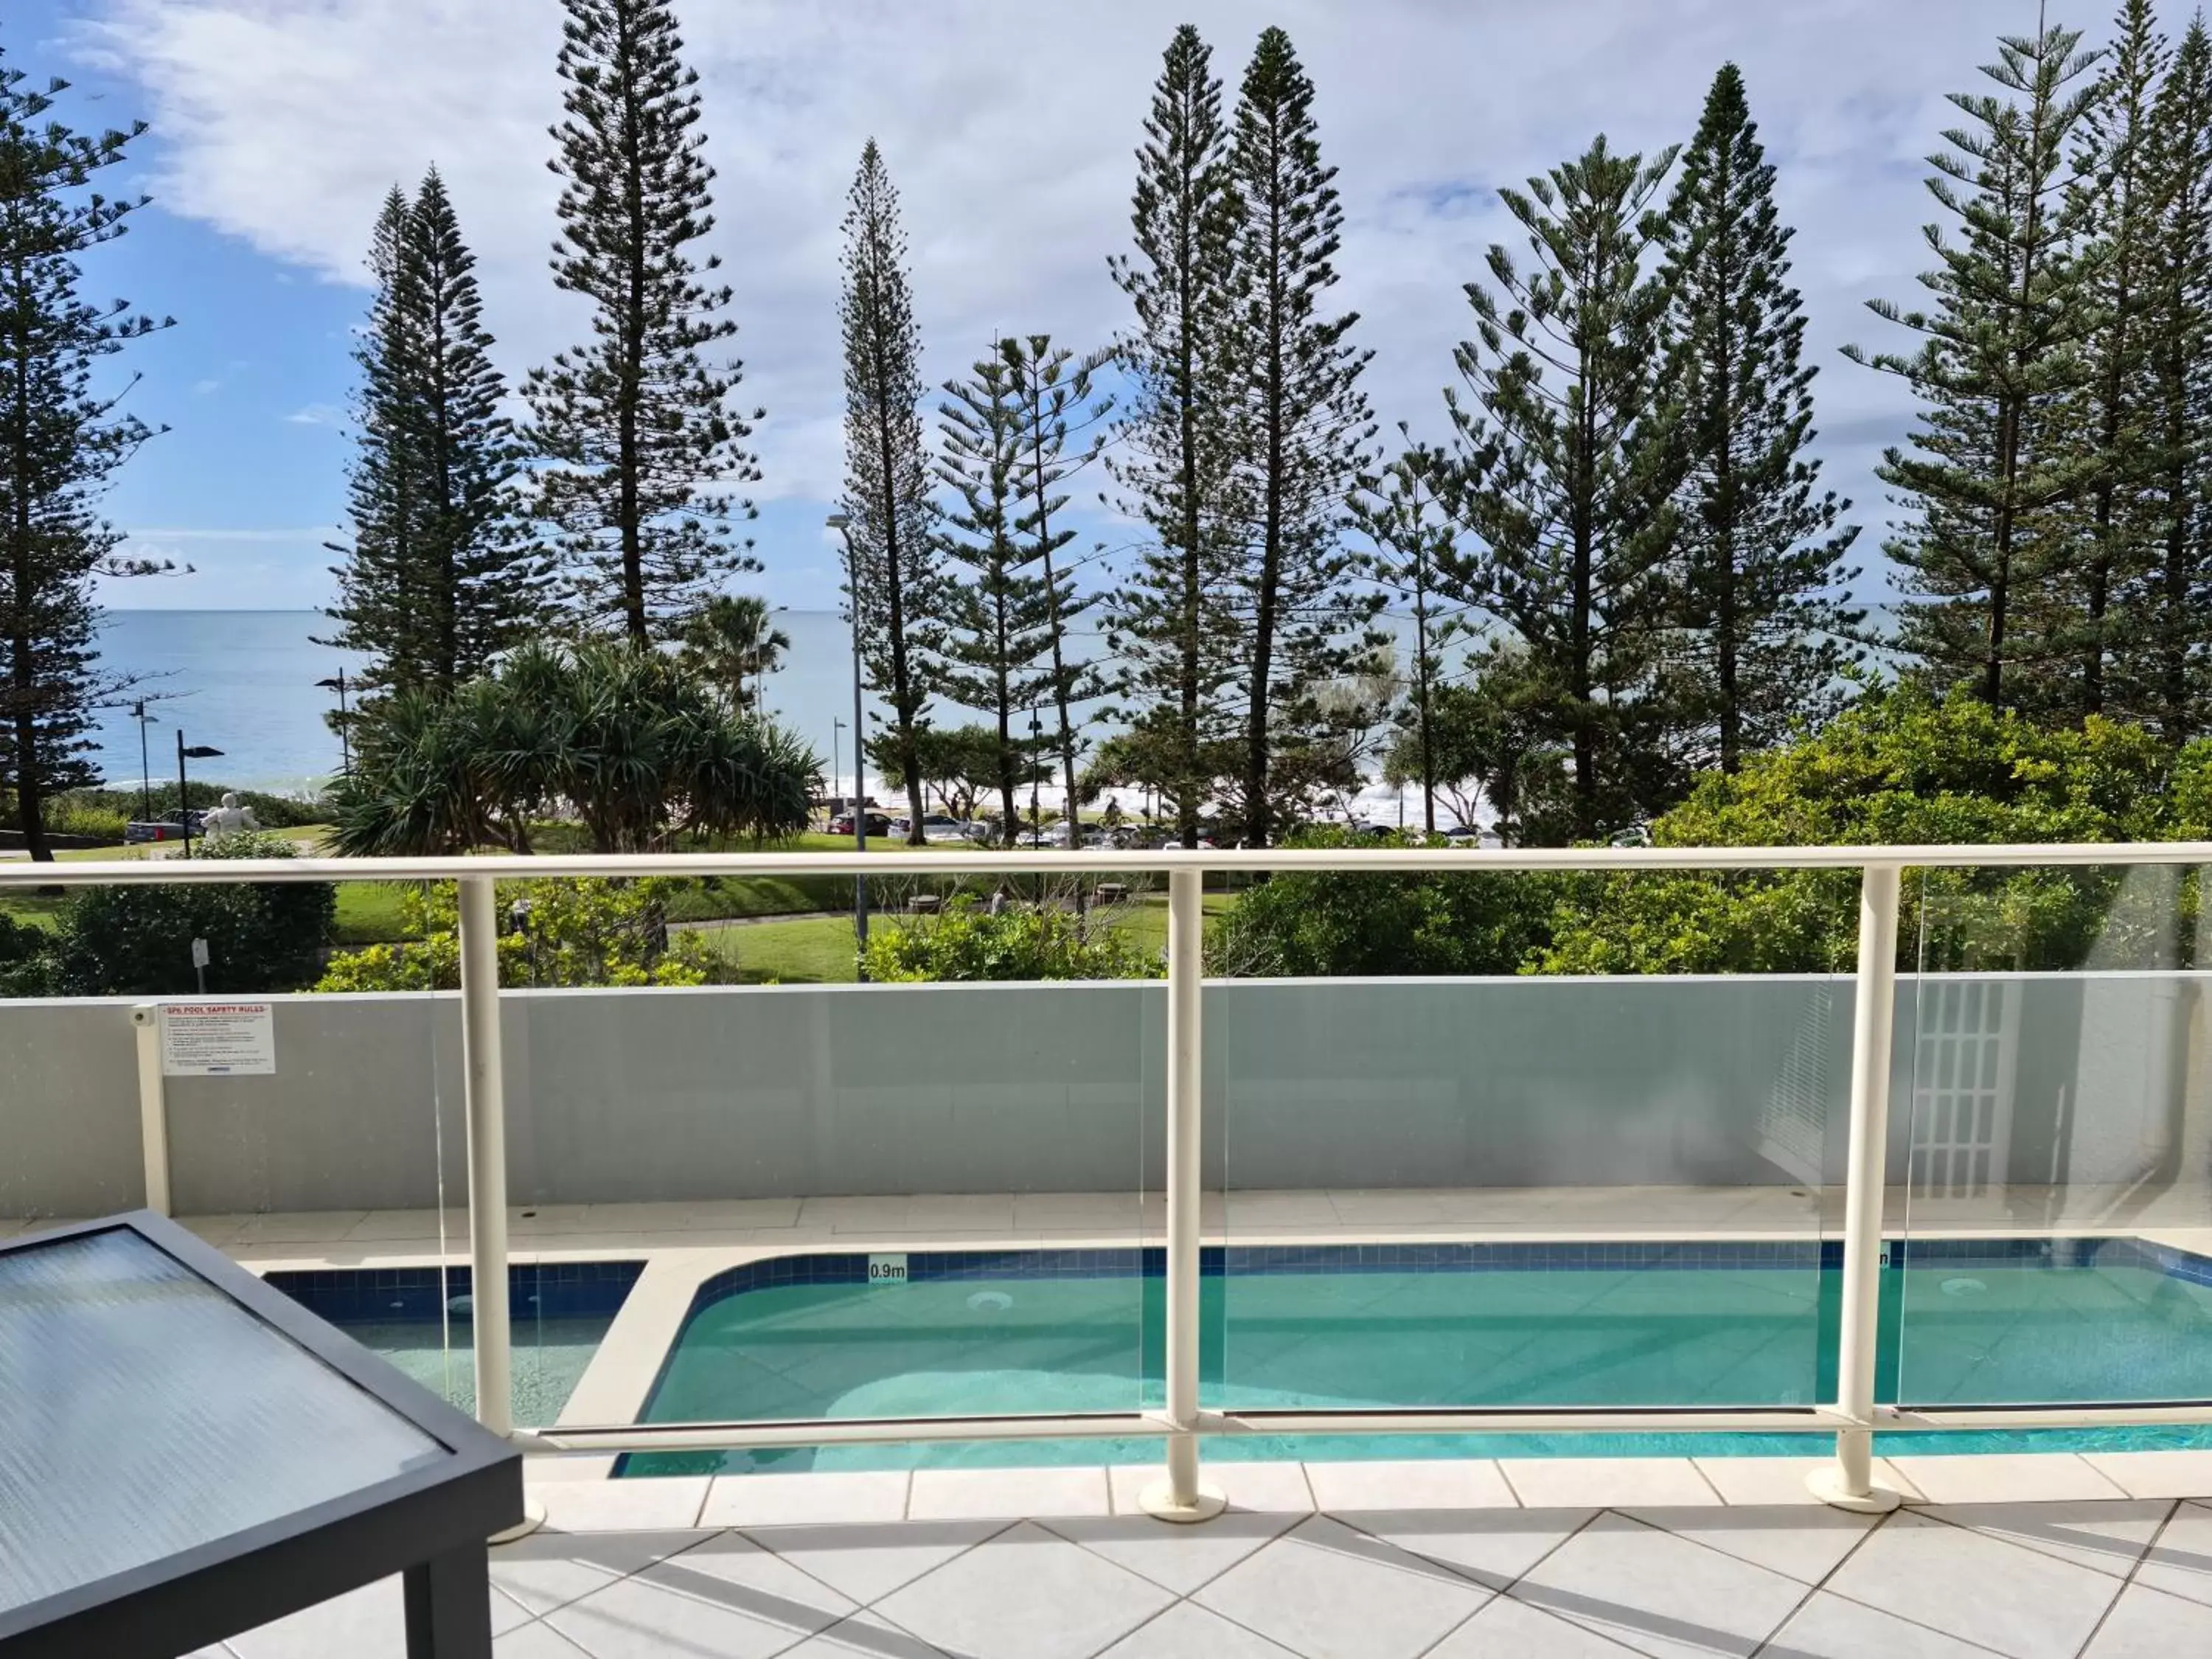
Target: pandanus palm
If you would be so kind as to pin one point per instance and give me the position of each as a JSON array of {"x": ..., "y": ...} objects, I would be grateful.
[
  {"x": 731, "y": 645},
  {"x": 623, "y": 738}
]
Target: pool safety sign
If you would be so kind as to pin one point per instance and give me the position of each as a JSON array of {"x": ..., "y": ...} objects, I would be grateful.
[
  {"x": 887, "y": 1270},
  {"x": 218, "y": 1039}
]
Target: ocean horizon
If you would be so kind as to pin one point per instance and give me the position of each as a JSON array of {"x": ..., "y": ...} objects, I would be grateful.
[{"x": 245, "y": 682}]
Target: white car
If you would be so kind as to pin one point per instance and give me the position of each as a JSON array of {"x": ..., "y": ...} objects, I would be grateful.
[{"x": 935, "y": 826}]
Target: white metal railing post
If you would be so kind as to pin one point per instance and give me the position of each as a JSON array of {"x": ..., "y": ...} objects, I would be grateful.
[
  {"x": 1182, "y": 1496},
  {"x": 153, "y": 1105},
  {"x": 1848, "y": 1483},
  {"x": 483, "y": 1086}
]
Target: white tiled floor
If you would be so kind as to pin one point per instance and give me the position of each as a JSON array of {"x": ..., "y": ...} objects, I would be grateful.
[{"x": 1379, "y": 1561}]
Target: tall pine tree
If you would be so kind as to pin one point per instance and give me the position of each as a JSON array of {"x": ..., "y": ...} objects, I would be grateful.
[
  {"x": 2118, "y": 211},
  {"x": 1760, "y": 570},
  {"x": 61, "y": 440},
  {"x": 441, "y": 576},
  {"x": 1171, "y": 620},
  {"x": 1400, "y": 511},
  {"x": 2160, "y": 669},
  {"x": 1997, "y": 466},
  {"x": 997, "y": 613},
  {"x": 635, "y": 424},
  {"x": 374, "y": 610},
  {"x": 888, "y": 519},
  {"x": 1053, "y": 391},
  {"x": 1569, "y": 456},
  {"x": 1302, "y": 422}
]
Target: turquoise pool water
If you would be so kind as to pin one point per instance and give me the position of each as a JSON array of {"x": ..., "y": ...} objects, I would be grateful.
[
  {"x": 422, "y": 1320},
  {"x": 1995, "y": 1322}
]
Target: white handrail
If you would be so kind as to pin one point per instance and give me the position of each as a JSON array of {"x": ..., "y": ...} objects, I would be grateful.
[
  {"x": 990, "y": 861},
  {"x": 1182, "y": 1496}
]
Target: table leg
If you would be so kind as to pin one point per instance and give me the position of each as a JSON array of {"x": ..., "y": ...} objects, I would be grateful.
[{"x": 449, "y": 1606}]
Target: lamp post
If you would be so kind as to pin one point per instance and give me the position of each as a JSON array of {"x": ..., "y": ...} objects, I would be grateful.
[
  {"x": 198, "y": 751},
  {"x": 338, "y": 682},
  {"x": 1037, "y": 809},
  {"x": 843, "y": 526},
  {"x": 145, "y": 765}
]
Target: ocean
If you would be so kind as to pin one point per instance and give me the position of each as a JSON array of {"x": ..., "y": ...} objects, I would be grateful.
[
  {"x": 239, "y": 681},
  {"x": 245, "y": 682}
]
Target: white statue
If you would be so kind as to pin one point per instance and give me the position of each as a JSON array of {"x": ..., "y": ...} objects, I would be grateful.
[{"x": 227, "y": 819}]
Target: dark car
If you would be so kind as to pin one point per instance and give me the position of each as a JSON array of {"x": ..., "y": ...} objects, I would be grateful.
[{"x": 878, "y": 824}]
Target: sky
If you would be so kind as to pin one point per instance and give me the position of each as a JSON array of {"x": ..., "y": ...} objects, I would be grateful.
[{"x": 276, "y": 126}]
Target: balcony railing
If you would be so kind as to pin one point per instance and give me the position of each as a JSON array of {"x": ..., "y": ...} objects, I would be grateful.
[{"x": 1748, "y": 1084}]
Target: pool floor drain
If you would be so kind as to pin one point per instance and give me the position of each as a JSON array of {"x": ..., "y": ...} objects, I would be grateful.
[
  {"x": 1964, "y": 1287},
  {"x": 990, "y": 1302}
]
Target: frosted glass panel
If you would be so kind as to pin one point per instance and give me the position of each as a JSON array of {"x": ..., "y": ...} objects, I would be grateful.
[{"x": 142, "y": 1412}]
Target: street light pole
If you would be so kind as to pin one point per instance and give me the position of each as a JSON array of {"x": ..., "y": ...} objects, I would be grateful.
[
  {"x": 198, "y": 751},
  {"x": 843, "y": 526},
  {"x": 145, "y": 764},
  {"x": 338, "y": 682}
]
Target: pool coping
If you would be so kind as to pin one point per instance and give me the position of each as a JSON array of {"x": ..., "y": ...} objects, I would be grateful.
[
  {"x": 682, "y": 1245},
  {"x": 1983, "y": 1482}
]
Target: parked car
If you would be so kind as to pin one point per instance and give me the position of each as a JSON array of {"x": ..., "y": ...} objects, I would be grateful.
[
  {"x": 936, "y": 826},
  {"x": 878, "y": 824}
]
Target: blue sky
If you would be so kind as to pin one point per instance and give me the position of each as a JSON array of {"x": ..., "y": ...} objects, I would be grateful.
[{"x": 279, "y": 123}]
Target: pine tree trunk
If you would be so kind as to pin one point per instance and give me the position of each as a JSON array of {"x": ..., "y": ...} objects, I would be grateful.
[
  {"x": 895, "y": 596},
  {"x": 629, "y": 459},
  {"x": 1992, "y": 688},
  {"x": 1271, "y": 555},
  {"x": 1004, "y": 703},
  {"x": 1580, "y": 684},
  {"x": 1726, "y": 620},
  {"x": 2172, "y": 646},
  {"x": 30, "y": 790},
  {"x": 1421, "y": 682},
  {"x": 2100, "y": 574},
  {"x": 1187, "y": 688},
  {"x": 442, "y": 550}
]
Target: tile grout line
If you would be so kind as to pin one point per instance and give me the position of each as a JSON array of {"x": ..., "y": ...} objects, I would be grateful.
[
  {"x": 1719, "y": 1497},
  {"x": 1889, "y": 1613},
  {"x": 872, "y": 1607},
  {"x": 2128, "y": 1583},
  {"x": 1821, "y": 1583}
]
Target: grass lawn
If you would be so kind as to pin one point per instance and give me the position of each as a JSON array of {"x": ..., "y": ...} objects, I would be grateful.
[
  {"x": 44, "y": 910},
  {"x": 813, "y": 948},
  {"x": 818, "y": 950},
  {"x": 807, "y": 950}
]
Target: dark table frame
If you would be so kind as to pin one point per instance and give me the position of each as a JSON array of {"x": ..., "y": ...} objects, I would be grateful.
[{"x": 431, "y": 1524}]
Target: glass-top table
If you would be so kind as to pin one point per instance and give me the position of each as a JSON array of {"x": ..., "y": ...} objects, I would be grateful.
[{"x": 185, "y": 1453}]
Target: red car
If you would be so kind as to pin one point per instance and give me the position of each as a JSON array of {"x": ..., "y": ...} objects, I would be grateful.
[{"x": 878, "y": 824}]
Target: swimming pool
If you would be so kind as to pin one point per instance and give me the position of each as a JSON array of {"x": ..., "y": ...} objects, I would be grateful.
[
  {"x": 421, "y": 1319},
  {"x": 1718, "y": 1323}
]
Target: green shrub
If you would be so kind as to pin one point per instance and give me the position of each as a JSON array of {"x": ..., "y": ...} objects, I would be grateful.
[
  {"x": 965, "y": 943},
  {"x": 137, "y": 940},
  {"x": 79, "y": 812},
  {"x": 1334, "y": 924},
  {"x": 104, "y": 811},
  {"x": 27, "y": 967},
  {"x": 572, "y": 933}
]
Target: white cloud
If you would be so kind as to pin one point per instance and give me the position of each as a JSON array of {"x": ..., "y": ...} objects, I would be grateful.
[
  {"x": 313, "y": 533},
  {"x": 1010, "y": 130},
  {"x": 317, "y": 415}
]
